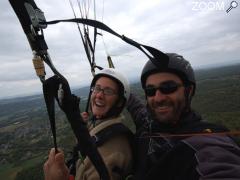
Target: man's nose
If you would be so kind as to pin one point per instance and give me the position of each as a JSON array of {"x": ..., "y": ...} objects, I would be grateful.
[{"x": 159, "y": 95}]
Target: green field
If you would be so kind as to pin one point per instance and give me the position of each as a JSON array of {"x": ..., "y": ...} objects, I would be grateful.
[
  {"x": 25, "y": 137},
  {"x": 10, "y": 171}
]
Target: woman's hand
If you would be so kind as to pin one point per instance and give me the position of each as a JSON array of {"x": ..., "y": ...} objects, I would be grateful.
[{"x": 85, "y": 116}]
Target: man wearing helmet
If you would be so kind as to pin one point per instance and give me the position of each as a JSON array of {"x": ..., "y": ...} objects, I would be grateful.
[
  {"x": 109, "y": 94},
  {"x": 171, "y": 138}
]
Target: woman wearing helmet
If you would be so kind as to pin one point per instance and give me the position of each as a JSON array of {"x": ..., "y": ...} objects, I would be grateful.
[{"x": 109, "y": 93}]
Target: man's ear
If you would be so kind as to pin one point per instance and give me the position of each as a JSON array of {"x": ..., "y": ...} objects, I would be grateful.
[{"x": 189, "y": 91}]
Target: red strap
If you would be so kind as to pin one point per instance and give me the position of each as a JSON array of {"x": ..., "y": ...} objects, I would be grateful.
[{"x": 71, "y": 177}]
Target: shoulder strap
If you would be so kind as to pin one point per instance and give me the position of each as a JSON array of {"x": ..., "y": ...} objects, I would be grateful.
[{"x": 110, "y": 131}]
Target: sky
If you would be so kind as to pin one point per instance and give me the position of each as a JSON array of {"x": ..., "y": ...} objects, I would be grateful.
[{"x": 200, "y": 30}]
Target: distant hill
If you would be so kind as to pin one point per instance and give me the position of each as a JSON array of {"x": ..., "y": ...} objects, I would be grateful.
[
  {"x": 25, "y": 136},
  {"x": 17, "y": 105},
  {"x": 227, "y": 70}
]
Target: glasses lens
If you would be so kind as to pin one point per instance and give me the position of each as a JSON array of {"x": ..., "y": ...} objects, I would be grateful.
[
  {"x": 96, "y": 89},
  {"x": 150, "y": 91},
  {"x": 106, "y": 91},
  {"x": 167, "y": 87}
]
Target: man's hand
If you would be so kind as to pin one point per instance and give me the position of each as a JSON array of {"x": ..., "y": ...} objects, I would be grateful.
[{"x": 55, "y": 168}]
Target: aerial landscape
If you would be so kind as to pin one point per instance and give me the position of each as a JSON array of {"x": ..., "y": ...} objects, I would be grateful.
[
  {"x": 121, "y": 35},
  {"x": 25, "y": 135}
]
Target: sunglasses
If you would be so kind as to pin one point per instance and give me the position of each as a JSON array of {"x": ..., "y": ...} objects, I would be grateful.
[{"x": 167, "y": 87}]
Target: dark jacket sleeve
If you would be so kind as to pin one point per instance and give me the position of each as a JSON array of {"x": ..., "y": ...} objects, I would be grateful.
[
  {"x": 218, "y": 157},
  {"x": 137, "y": 110}
]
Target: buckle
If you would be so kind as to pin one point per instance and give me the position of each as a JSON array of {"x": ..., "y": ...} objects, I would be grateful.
[{"x": 95, "y": 139}]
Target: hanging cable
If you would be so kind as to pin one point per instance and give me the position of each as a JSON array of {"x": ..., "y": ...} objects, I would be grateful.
[
  {"x": 109, "y": 59},
  {"x": 71, "y": 4},
  {"x": 85, "y": 33},
  {"x": 88, "y": 45},
  {"x": 95, "y": 34}
]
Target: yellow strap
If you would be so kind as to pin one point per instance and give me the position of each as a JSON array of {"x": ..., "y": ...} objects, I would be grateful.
[{"x": 39, "y": 66}]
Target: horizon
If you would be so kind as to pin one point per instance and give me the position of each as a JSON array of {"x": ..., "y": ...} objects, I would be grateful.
[
  {"x": 132, "y": 81},
  {"x": 203, "y": 35}
]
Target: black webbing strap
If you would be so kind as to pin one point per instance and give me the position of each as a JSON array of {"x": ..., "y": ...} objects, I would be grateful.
[
  {"x": 36, "y": 41},
  {"x": 71, "y": 163},
  {"x": 90, "y": 92},
  {"x": 114, "y": 130},
  {"x": 99, "y": 139},
  {"x": 49, "y": 96},
  {"x": 70, "y": 106},
  {"x": 87, "y": 146},
  {"x": 111, "y": 131},
  {"x": 33, "y": 30},
  {"x": 157, "y": 57}
]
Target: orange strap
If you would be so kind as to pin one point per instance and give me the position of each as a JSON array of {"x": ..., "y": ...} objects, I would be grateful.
[{"x": 233, "y": 133}]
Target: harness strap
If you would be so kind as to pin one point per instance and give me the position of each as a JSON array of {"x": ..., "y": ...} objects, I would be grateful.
[
  {"x": 71, "y": 163},
  {"x": 153, "y": 54},
  {"x": 113, "y": 130},
  {"x": 102, "y": 136},
  {"x": 48, "y": 92},
  {"x": 70, "y": 105},
  {"x": 99, "y": 139}
]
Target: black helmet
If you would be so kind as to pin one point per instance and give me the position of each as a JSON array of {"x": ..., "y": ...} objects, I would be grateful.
[{"x": 175, "y": 64}]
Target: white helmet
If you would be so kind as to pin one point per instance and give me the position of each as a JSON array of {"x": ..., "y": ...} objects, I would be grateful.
[{"x": 117, "y": 76}]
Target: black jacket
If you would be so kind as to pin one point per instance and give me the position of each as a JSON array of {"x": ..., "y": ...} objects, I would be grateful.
[{"x": 173, "y": 153}]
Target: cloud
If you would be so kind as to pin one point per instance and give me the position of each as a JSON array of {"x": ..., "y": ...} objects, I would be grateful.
[{"x": 204, "y": 36}]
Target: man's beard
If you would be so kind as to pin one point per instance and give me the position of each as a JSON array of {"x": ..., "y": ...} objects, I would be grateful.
[{"x": 174, "y": 114}]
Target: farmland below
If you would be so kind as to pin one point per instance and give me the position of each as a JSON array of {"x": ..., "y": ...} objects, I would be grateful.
[{"x": 25, "y": 136}]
